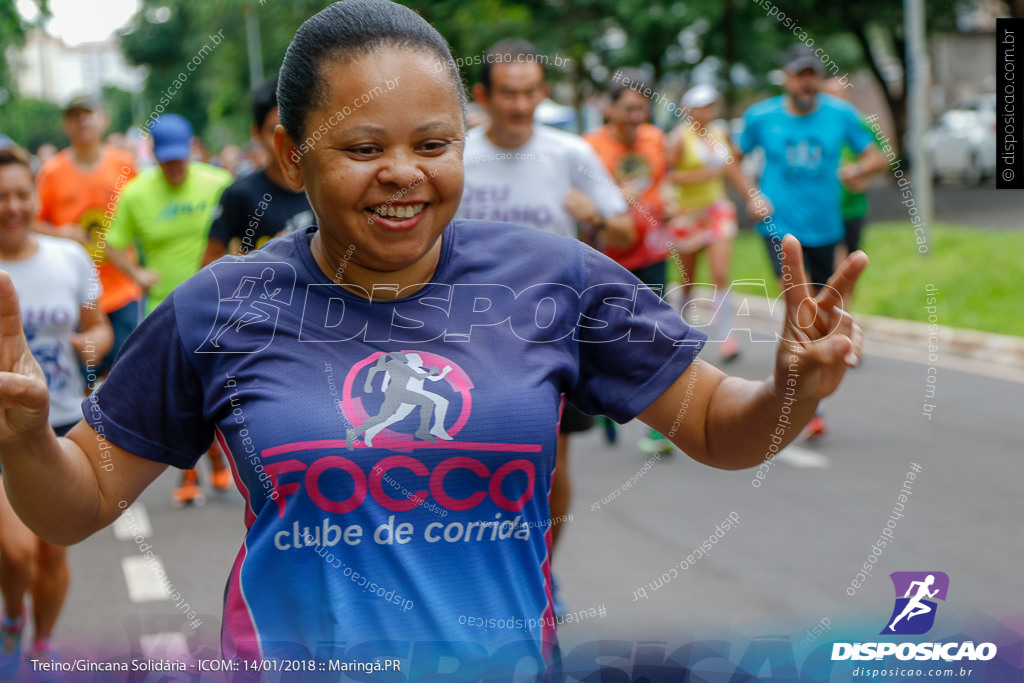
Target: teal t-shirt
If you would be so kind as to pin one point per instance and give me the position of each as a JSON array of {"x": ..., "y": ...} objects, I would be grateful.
[{"x": 802, "y": 155}]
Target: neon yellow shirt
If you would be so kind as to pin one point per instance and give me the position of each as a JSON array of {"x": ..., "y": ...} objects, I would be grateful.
[
  {"x": 169, "y": 225},
  {"x": 699, "y": 153}
]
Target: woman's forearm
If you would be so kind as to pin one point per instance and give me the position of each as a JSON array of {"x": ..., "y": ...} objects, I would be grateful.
[
  {"x": 748, "y": 422},
  {"x": 52, "y": 486}
]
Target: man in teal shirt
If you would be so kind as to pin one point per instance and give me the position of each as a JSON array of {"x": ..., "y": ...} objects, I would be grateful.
[{"x": 802, "y": 133}]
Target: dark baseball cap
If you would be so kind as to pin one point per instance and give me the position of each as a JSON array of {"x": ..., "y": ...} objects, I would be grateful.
[
  {"x": 799, "y": 58},
  {"x": 83, "y": 101},
  {"x": 172, "y": 138}
]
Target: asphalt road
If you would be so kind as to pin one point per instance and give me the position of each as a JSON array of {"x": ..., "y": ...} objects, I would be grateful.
[
  {"x": 801, "y": 536},
  {"x": 977, "y": 207},
  {"x": 806, "y": 530}
]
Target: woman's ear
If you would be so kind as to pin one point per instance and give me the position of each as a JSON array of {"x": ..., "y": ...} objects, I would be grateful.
[{"x": 289, "y": 156}]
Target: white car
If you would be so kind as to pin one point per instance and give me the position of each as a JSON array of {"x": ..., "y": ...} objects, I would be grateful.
[{"x": 963, "y": 142}]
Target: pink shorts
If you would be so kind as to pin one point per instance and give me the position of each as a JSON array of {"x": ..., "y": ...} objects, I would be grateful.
[{"x": 694, "y": 230}]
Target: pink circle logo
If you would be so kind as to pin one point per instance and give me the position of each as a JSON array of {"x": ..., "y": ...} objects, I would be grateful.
[{"x": 405, "y": 383}]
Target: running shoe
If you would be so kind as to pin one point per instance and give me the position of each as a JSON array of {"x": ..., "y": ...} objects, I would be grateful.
[
  {"x": 10, "y": 638},
  {"x": 221, "y": 477},
  {"x": 730, "y": 349},
  {"x": 611, "y": 431},
  {"x": 654, "y": 443},
  {"x": 189, "y": 493},
  {"x": 557, "y": 605},
  {"x": 43, "y": 653},
  {"x": 42, "y": 650},
  {"x": 815, "y": 429}
]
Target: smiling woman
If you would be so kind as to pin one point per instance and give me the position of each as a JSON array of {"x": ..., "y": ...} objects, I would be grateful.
[
  {"x": 455, "y": 342},
  {"x": 359, "y": 172},
  {"x": 354, "y": 176}
]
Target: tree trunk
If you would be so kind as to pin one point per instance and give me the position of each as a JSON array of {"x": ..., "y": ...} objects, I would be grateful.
[
  {"x": 729, "y": 27},
  {"x": 897, "y": 102},
  {"x": 900, "y": 110}
]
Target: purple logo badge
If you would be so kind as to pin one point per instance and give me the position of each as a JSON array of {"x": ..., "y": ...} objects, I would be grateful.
[{"x": 916, "y": 592}]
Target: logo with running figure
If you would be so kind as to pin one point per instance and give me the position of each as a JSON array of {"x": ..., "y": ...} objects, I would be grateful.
[
  {"x": 395, "y": 394},
  {"x": 250, "y": 297},
  {"x": 916, "y": 592}
]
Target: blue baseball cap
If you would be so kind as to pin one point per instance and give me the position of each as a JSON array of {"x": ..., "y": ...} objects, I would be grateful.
[{"x": 172, "y": 138}]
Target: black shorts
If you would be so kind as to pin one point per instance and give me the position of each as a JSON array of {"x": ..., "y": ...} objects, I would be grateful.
[
  {"x": 819, "y": 262},
  {"x": 64, "y": 429},
  {"x": 574, "y": 420},
  {"x": 854, "y": 228},
  {"x": 653, "y": 276}
]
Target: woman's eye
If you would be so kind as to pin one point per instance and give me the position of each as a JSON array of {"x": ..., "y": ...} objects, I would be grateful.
[
  {"x": 434, "y": 146},
  {"x": 363, "y": 151}
]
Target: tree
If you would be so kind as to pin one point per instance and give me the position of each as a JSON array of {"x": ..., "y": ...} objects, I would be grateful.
[
  {"x": 13, "y": 27},
  {"x": 1016, "y": 8},
  {"x": 195, "y": 55},
  {"x": 31, "y": 122},
  {"x": 670, "y": 37},
  {"x": 877, "y": 27},
  {"x": 118, "y": 105},
  {"x": 167, "y": 34}
]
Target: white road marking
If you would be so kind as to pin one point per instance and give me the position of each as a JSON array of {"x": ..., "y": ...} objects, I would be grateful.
[
  {"x": 165, "y": 647},
  {"x": 142, "y": 576},
  {"x": 802, "y": 458},
  {"x": 135, "y": 518}
]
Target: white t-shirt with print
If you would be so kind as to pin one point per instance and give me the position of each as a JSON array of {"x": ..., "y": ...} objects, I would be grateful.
[
  {"x": 528, "y": 185},
  {"x": 53, "y": 285}
]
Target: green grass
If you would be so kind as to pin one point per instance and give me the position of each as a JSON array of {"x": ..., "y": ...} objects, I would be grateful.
[{"x": 979, "y": 275}]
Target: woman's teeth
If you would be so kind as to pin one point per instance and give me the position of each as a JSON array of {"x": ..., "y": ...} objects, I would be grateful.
[{"x": 391, "y": 211}]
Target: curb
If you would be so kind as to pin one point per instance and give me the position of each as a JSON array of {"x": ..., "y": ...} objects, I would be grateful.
[{"x": 994, "y": 349}]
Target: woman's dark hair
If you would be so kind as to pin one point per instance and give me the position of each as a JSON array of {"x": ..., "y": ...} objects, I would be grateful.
[
  {"x": 342, "y": 32},
  {"x": 264, "y": 99}
]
